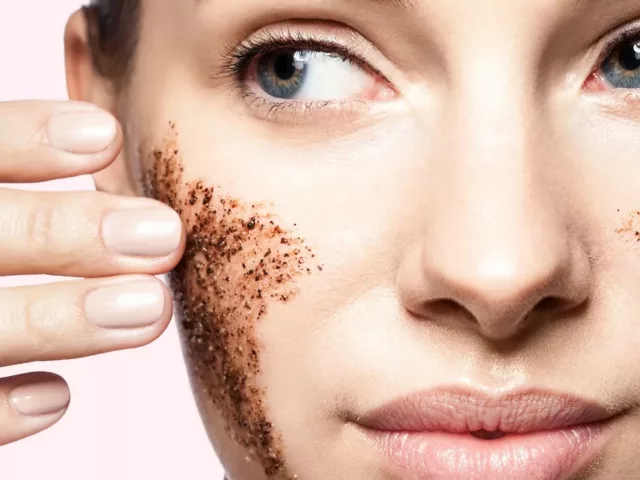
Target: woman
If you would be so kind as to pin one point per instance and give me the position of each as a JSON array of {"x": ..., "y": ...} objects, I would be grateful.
[{"x": 409, "y": 230}]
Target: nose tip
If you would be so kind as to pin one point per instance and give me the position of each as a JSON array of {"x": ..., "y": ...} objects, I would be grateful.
[
  {"x": 503, "y": 290},
  {"x": 499, "y": 290}
]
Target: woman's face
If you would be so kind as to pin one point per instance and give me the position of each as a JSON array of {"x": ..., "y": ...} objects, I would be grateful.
[{"x": 432, "y": 204}]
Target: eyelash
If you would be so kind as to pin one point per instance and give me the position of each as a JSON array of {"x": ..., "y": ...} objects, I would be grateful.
[
  {"x": 238, "y": 58},
  {"x": 626, "y": 34}
]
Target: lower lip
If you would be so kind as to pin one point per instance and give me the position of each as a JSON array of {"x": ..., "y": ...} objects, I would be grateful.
[{"x": 549, "y": 455}]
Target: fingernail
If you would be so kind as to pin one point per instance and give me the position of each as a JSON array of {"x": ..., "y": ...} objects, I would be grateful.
[
  {"x": 150, "y": 232},
  {"x": 40, "y": 398},
  {"x": 82, "y": 132},
  {"x": 128, "y": 305}
]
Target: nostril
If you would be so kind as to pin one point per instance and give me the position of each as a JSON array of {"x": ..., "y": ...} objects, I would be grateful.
[
  {"x": 551, "y": 304},
  {"x": 447, "y": 307},
  {"x": 485, "y": 435}
]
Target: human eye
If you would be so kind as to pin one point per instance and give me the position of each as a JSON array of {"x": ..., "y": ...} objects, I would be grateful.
[
  {"x": 619, "y": 67},
  {"x": 291, "y": 77}
]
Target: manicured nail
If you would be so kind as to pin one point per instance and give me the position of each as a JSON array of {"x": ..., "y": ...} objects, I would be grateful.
[
  {"x": 150, "y": 232},
  {"x": 127, "y": 305},
  {"x": 82, "y": 132},
  {"x": 43, "y": 398}
]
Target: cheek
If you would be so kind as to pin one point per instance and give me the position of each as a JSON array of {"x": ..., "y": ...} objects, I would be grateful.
[{"x": 239, "y": 261}]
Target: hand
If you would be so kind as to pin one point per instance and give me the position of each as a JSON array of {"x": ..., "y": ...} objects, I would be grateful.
[{"x": 117, "y": 244}]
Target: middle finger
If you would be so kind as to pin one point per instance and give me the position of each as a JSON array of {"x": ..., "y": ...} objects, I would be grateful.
[{"x": 86, "y": 234}]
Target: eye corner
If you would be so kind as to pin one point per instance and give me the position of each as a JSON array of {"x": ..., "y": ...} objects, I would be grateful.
[{"x": 595, "y": 82}]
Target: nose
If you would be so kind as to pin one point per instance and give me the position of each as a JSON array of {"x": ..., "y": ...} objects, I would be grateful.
[{"x": 497, "y": 251}]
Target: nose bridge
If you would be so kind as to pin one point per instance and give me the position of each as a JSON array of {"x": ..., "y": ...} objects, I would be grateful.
[
  {"x": 493, "y": 163},
  {"x": 510, "y": 242},
  {"x": 497, "y": 244}
]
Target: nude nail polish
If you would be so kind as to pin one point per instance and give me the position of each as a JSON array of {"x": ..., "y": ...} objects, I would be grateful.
[
  {"x": 44, "y": 398},
  {"x": 126, "y": 305},
  {"x": 82, "y": 132},
  {"x": 148, "y": 232}
]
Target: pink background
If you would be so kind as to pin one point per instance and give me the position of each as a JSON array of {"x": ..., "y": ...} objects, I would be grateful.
[{"x": 131, "y": 415}]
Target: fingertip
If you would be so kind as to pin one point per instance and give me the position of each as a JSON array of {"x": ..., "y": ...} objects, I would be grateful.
[{"x": 39, "y": 394}]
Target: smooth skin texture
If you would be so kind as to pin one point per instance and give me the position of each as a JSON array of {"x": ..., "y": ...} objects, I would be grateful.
[
  {"x": 467, "y": 218},
  {"x": 118, "y": 305}
]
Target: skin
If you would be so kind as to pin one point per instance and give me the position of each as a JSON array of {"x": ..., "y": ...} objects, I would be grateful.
[
  {"x": 66, "y": 234},
  {"x": 470, "y": 228}
]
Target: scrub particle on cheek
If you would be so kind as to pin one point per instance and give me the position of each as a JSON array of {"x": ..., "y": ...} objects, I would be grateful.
[
  {"x": 237, "y": 261},
  {"x": 630, "y": 226}
]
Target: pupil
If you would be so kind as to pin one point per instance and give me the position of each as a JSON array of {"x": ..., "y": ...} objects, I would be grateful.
[
  {"x": 285, "y": 66},
  {"x": 630, "y": 57}
]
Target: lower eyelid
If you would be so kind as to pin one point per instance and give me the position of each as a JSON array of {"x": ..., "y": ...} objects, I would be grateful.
[
  {"x": 629, "y": 97},
  {"x": 292, "y": 112}
]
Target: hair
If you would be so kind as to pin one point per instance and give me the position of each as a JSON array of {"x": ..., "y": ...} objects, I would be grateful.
[{"x": 113, "y": 27}]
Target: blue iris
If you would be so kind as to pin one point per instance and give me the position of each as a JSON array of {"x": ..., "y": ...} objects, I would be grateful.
[
  {"x": 281, "y": 75},
  {"x": 622, "y": 68}
]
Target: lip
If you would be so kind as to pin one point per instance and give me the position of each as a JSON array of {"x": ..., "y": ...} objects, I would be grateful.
[{"x": 547, "y": 435}]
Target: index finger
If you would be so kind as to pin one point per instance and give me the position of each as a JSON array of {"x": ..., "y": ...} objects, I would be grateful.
[{"x": 47, "y": 140}]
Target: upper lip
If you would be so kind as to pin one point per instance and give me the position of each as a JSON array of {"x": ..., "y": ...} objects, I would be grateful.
[{"x": 461, "y": 410}]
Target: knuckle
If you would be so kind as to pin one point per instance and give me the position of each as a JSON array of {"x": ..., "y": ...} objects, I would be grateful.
[
  {"x": 40, "y": 226},
  {"x": 21, "y": 127},
  {"x": 60, "y": 230},
  {"x": 39, "y": 324},
  {"x": 15, "y": 343},
  {"x": 46, "y": 322}
]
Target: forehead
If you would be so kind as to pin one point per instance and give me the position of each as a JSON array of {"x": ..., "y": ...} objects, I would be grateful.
[
  {"x": 409, "y": 26},
  {"x": 410, "y": 15},
  {"x": 372, "y": 7}
]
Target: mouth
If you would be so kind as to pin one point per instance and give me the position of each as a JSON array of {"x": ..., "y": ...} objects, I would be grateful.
[{"x": 462, "y": 434}]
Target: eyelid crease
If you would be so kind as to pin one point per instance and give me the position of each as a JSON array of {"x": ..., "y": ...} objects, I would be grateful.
[{"x": 236, "y": 58}]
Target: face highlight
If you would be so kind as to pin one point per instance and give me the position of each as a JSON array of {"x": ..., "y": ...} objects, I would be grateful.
[{"x": 387, "y": 202}]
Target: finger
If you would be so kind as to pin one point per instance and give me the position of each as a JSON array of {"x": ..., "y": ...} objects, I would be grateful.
[
  {"x": 86, "y": 234},
  {"x": 30, "y": 404},
  {"x": 81, "y": 318},
  {"x": 46, "y": 140}
]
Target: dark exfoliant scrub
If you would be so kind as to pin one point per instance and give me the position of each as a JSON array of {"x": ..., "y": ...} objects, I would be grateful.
[{"x": 238, "y": 260}]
